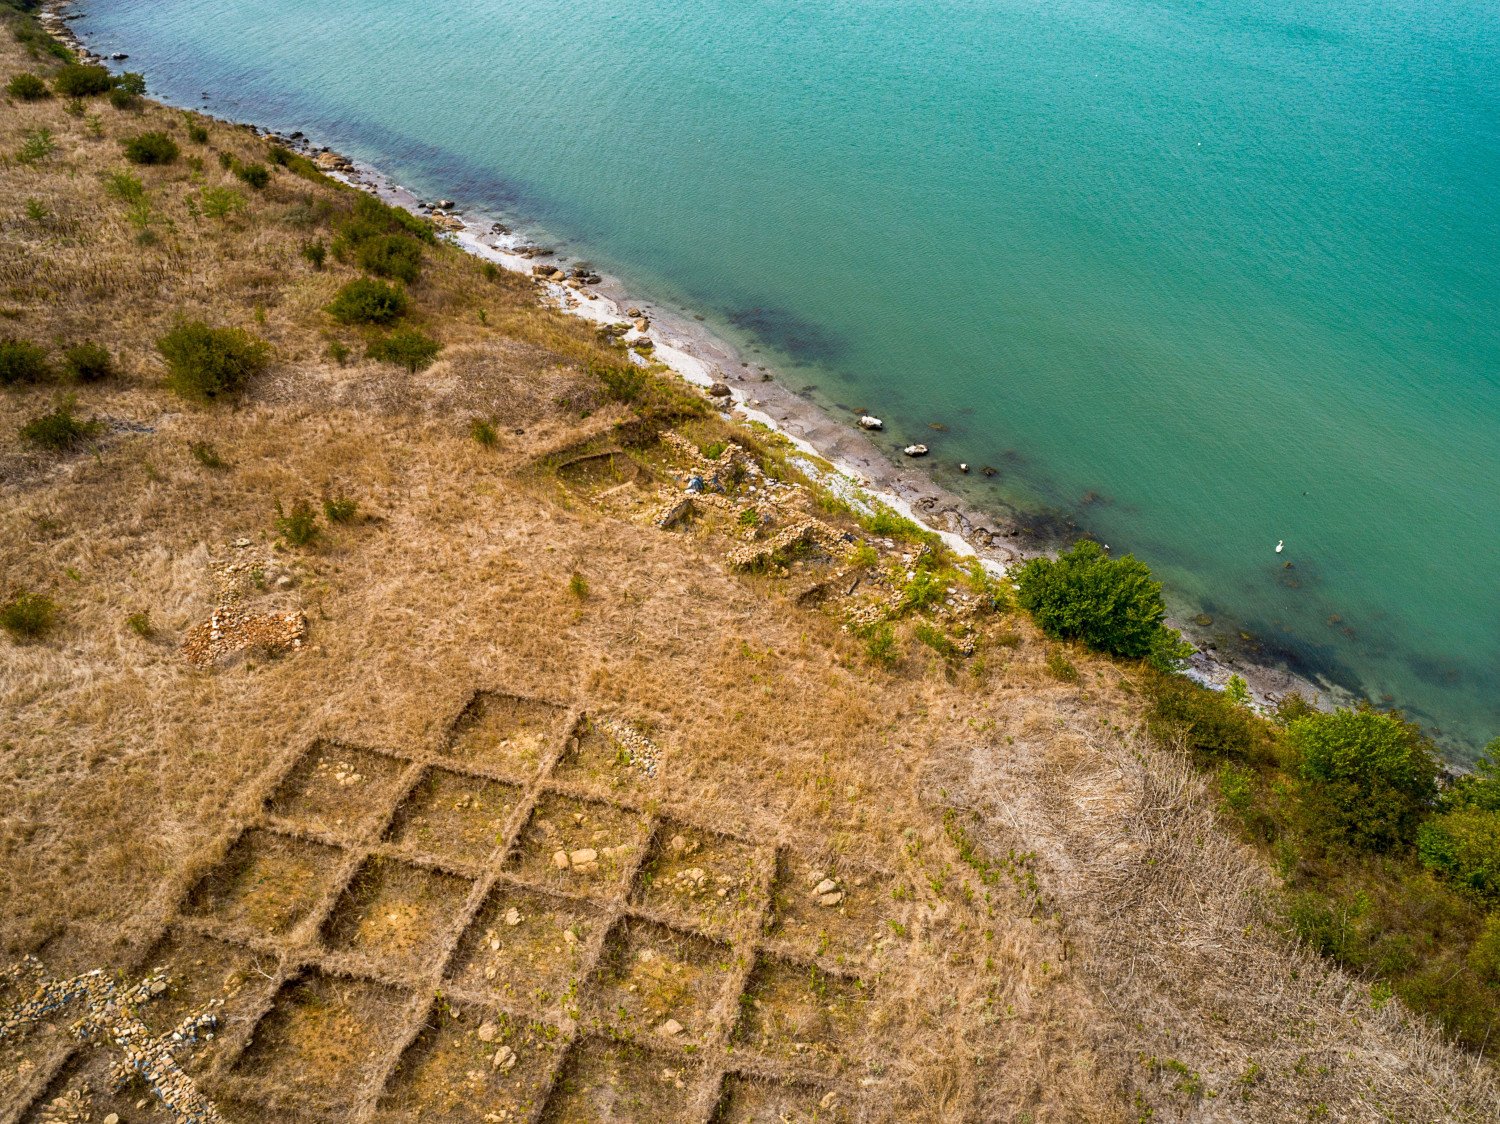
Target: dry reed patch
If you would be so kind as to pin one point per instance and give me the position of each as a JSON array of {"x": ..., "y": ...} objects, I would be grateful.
[
  {"x": 578, "y": 845},
  {"x": 511, "y": 735},
  {"x": 267, "y": 883},
  {"x": 397, "y": 914},
  {"x": 202, "y": 970},
  {"x": 595, "y": 759},
  {"x": 801, "y": 1014},
  {"x": 469, "y": 1066},
  {"x": 525, "y": 949},
  {"x": 336, "y": 788},
  {"x": 661, "y": 982},
  {"x": 454, "y": 815},
  {"x": 753, "y": 1100},
  {"x": 834, "y": 910},
  {"x": 615, "y": 1082},
  {"x": 324, "y": 1039},
  {"x": 703, "y": 879}
]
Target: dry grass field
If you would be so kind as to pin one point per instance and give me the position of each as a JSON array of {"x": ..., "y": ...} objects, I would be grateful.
[{"x": 554, "y": 813}]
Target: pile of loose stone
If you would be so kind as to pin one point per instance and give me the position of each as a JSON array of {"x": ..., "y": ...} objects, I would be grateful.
[
  {"x": 109, "y": 1015},
  {"x": 232, "y": 629}
]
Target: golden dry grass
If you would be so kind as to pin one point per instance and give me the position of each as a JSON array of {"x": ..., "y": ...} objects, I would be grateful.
[{"x": 1068, "y": 986}]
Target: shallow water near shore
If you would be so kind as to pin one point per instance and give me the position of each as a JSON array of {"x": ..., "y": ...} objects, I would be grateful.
[{"x": 1200, "y": 279}]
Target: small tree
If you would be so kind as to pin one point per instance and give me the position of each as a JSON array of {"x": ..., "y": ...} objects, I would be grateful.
[
  {"x": 208, "y": 363},
  {"x": 150, "y": 148},
  {"x": 1111, "y": 604},
  {"x": 1367, "y": 778},
  {"x": 368, "y": 302}
]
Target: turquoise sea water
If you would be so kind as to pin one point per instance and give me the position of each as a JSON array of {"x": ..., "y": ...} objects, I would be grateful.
[{"x": 1198, "y": 276}]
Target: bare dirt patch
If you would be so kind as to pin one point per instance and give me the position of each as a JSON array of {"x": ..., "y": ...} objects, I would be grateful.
[
  {"x": 397, "y": 914},
  {"x": 579, "y": 845},
  {"x": 834, "y": 910},
  {"x": 266, "y": 884},
  {"x": 472, "y": 1066},
  {"x": 611, "y": 1082},
  {"x": 660, "y": 982},
  {"x": 526, "y": 949},
  {"x": 701, "y": 878},
  {"x": 453, "y": 815},
  {"x": 513, "y": 736},
  {"x": 336, "y": 788}
]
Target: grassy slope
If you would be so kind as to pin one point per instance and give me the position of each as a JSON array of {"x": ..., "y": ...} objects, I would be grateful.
[{"x": 1149, "y": 957}]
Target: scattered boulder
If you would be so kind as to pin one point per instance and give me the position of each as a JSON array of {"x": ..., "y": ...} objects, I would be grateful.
[
  {"x": 505, "y": 1058},
  {"x": 868, "y": 422},
  {"x": 669, "y": 1029},
  {"x": 915, "y": 450},
  {"x": 719, "y": 390},
  {"x": 488, "y": 1031}
]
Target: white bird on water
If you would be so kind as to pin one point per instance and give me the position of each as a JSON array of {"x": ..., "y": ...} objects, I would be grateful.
[{"x": 1278, "y": 545}]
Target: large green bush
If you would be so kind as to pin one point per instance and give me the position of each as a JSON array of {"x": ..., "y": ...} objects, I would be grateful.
[
  {"x": 27, "y": 87},
  {"x": 150, "y": 148},
  {"x": 81, "y": 80},
  {"x": 364, "y": 301},
  {"x": 1464, "y": 848},
  {"x": 208, "y": 363},
  {"x": 27, "y": 616},
  {"x": 22, "y": 361},
  {"x": 60, "y": 429},
  {"x": 1210, "y": 722},
  {"x": 409, "y": 349},
  {"x": 1111, "y": 604},
  {"x": 88, "y": 362},
  {"x": 1367, "y": 778},
  {"x": 398, "y": 256}
]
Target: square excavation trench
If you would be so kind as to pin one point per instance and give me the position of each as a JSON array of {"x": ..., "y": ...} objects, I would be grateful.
[
  {"x": 702, "y": 879},
  {"x": 593, "y": 758},
  {"x": 324, "y": 1040},
  {"x": 337, "y": 788},
  {"x": 84, "y": 1091},
  {"x": 397, "y": 914},
  {"x": 824, "y": 910},
  {"x": 660, "y": 983},
  {"x": 201, "y": 970},
  {"x": 267, "y": 883},
  {"x": 525, "y": 950},
  {"x": 471, "y": 1066},
  {"x": 801, "y": 1014},
  {"x": 456, "y": 816},
  {"x": 510, "y": 735},
  {"x": 752, "y": 1100},
  {"x": 617, "y": 1082},
  {"x": 580, "y": 846}
]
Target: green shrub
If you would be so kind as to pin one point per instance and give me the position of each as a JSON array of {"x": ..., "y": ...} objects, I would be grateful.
[
  {"x": 937, "y": 640},
  {"x": 1209, "y": 721},
  {"x": 397, "y": 256},
  {"x": 1368, "y": 777},
  {"x": 256, "y": 175},
  {"x": 140, "y": 624},
  {"x": 315, "y": 253},
  {"x": 299, "y": 526},
  {"x": 28, "y": 616},
  {"x": 578, "y": 585},
  {"x": 365, "y": 301},
  {"x": 923, "y": 590},
  {"x": 888, "y": 525},
  {"x": 407, "y": 348},
  {"x": 27, "y": 87},
  {"x": 340, "y": 509},
  {"x": 880, "y": 645},
  {"x": 88, "y": 362},
  {"x": 624, "y": 382},
  {"x": 81, "y": 80},
  {"x": 122, "y": 98},
  {"x": 383, "y": 218},
  {"x": 1060, "y": 667},
  {"x": 206, "y": 455},
  {"x": 1463, "y": 847},
  {"x": 483, "y": 432},
  {"x": 60, "y": 429},
  {"x": 36, "y": 146},
  {"x": 1480, "y": 788},
  {"x": 1111, "y": 604},
  {"x": 131, "y": 83},
  {"x": 196, "y": 132},
  {"x": 207, "y": 363},
  {"x": 125, "y": 187},
  {"x": 150, "y": 148},
  {"x": 221, "y": 202},
  {"x": 22, "y": 361}
]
